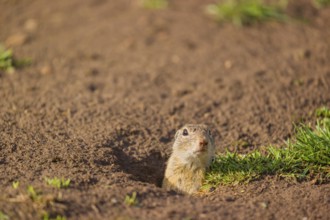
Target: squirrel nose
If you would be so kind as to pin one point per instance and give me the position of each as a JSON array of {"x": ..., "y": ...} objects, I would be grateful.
[{"x": 203, "y": 143}]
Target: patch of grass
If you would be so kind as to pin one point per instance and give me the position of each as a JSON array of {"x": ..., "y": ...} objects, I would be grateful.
[
  {"x": 305, "y": 157},
  {"x": 8, "y": 63},
  {"x": 33, "y": 194},
  {"x": 323, "y": 112},
  {"x": 322, "y": 3},
  {"x": 3, "y": 216},
  {"x": 155, "y": 4},
  {"x": 58, "y": 217},
  {"x": 58, "y": 183},
  {"x": 245, "y": 12},
  {"x": 131, "y": 200},
  {"x": 15, "y": 184},
  {"x": 6, "y": 60}
]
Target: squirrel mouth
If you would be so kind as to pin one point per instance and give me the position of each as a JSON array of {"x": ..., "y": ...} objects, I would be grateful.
[{"x": 199, "y": 151}]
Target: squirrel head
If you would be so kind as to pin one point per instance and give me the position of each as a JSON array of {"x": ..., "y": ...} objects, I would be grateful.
[{"x": 194, "y": 144}]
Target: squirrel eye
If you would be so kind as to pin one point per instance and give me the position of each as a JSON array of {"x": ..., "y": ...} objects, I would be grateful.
[{"x": 185, "y": 132}]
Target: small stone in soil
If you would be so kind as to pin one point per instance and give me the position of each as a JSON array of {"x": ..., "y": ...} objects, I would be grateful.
[
  {"x": 16, "y": 40},
  {"x": 230, "y": 199}
]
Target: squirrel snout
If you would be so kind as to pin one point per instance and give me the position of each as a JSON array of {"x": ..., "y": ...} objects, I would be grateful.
[{"x": 203, "y": 143}]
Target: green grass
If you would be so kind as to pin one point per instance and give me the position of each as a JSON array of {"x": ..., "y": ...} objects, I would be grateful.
[
  {"x": 15, "y": 184},
  {"x": 245, "y": 12},
  {"x": 322, "y": 112},
  {"x": 58, "y": 217},
  {"x": 8, "y": 63},
  {"x": 58, "y": 183},
  {"x": 42, "y": 201},
  {"x": 322, "y": 3},
  {"x": 3, "y": 216},
  {"x": 131, "y": 200},
  {"x": 155, "y": 4},
  {"x": 304, "y": 157},
  {"x": 33, "y": 194}
]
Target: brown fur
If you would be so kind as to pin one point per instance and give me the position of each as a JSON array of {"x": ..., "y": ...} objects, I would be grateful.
[{"x": 189, "y": 160}]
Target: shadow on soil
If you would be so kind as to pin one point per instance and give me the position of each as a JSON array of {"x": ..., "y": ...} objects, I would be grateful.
[{"x": 149, "y": 169}]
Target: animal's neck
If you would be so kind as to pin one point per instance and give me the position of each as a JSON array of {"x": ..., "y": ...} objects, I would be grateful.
[{"x": 189, "y": 165}]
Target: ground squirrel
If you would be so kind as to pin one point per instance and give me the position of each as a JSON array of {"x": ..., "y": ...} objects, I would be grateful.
[{"x": 193, "y": 151}]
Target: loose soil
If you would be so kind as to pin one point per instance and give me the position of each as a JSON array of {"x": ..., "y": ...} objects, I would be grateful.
[{"x": 111, "y": 82}]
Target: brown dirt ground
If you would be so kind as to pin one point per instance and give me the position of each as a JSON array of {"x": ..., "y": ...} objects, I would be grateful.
[{"x": 110, "y": 84}]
